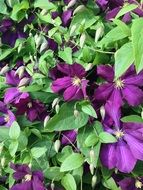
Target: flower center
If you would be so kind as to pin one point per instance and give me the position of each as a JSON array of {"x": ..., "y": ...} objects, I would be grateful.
[
  {"x": 119, "y": 134},
  {"x": 29, "y": 105},
  {"x": 138, "y": 184},
  {"x": 76, "y": 81},
  {"x": 27, "y": 177},
  {"x": 119, "y": 83},
  {"x": 6, "y": 118}
]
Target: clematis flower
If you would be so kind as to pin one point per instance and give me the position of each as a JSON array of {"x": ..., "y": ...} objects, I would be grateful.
[
  {"x": 69, "y": 137},
  {"x": 6, "y": 116},
  {"x": 112, "y": 8},
  {"x": 29, "y": 180},
  {"x": 33, "y": 109},
  {"x": 124, "y": 153},
  {"x": 131, "y": 183},
  {"x": 13, "y": 94},
  {"x": 73, "y": 83},
  {"x": 125, "y": 89}
]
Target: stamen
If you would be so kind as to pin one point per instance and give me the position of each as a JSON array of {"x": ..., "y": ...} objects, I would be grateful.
[
  {"x": 29, "y": 105},
  {"x": 27, "y": 177},
  {"x": 119, "y": 83},
  {"x": 138, "y": 184},
  {"x": 119, "y": 134},
  {"x": 6, "y": 118},
  {"x": 76, "y": 81}
]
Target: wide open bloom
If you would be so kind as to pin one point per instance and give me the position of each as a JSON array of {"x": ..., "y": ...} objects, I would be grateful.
[
  {"x": 6, "y": 116},
  {"x": 72, "y": 82},
  {"x": 131, "y": 183},
  {"x": 27, "y": 179},
  {"x": 124, "y": 153},
  {"x": 13, "y": 94},
  {"x": 112, "y": 7},
  {"x": 124, "y": 89},
  {"x": 33, "y": 109}
]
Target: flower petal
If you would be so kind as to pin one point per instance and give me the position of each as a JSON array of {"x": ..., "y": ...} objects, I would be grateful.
[
  {"x": 72, "y": 93},
  {"x": 133, "y": 95},
  {"x": 11, "y": 94},
  {"x": 22, "y": 186},
  {"x": 61, "y": 84},
  {"x": 106, "y": 72}
]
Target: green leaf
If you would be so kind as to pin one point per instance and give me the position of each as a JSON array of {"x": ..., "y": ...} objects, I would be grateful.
[
  {"x": 126, "y": 9},
  {"x": 19, "y": 9},
  {"x": 107, "y": 138},
  {"x": 91, "y": 140},
  {"x": 132, "y": 118},
  {"x": 72, "y": 162},
  {"x": 13, "y": 147},
  {"x": 4, "y": 133},
  {"x": 3, "y": 8},
  {"x": 53, "y": 173},
  {"x": 88, "y": 109},
  {"x": 137, "y": 41},
  {"x": 123, "y": 60},
  {"x": 124, "y": 27},
  {"x": 37, "y": 152},
  {"x": 66, "y": 55},
  {"x": 44, "y": 4},
  {"x": 65, "y": 119},
  {"x": 5, "y": 53},
  {"x": 66, "y": 151},
  {"x": 112, "y": 36},
  {"x": 110, "y": 183},
  {"x": 14, "y": 131},
  {"x": 68, "y": 182}
]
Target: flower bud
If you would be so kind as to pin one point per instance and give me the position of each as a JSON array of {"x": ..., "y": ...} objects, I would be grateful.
[
  {"x": 79, "y": 9},
  {"x": 71, "y": 4},
  {"x": 82, "y": 40},
  {"x": 43, "y": 46},
  {"x": 92, "y": 155},
  {"x": 20, "y": 71},
  {"x": 91, "y": 167},
  {"x": 9, "y": 3},
  {"x": 89, "y": 66},
  {"x": 46, "y": 120},
  {"x": 19, "y": 48},
  {"x": 3, "y": 162},
  {"x": 99, "y": 33},
  {"x": 39, "y": 41},
  {"x": 24, "y": 81},
  {"x": 142, "y": 114},
  {"x": 4, "y": 70},
  {"x": 30, "y": 34},
  {"x": 1, "y": 147},
  {"x": 102, "y": 112},
  {"x": 52, "y": 186},
  {"x": 43, "y": 12},
  {"x": 57, "y": 145},
  {"x": 72, "y": 30},
  {"x": 76, "y": 113},
  {"x": 55, "y": 102},
  {"x": 57, "y": 108},
  {"x": 93, "y": 182}
]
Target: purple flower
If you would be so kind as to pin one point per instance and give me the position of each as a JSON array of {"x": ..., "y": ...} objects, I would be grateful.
[
  {"x": 131, "y": 183},
  {"x": 124, "y": 153},
  {"x": 69, "y": 137},
  {"x": 6, "y": 116},
  {"x": 112, "y": 8},
  {"x": 126, "y": 88},
  {"x": 73, "y": 83},
  {"x": 66, "y": 17},
  {"x": 14, "y": 95},
  {"x": 33, "y": 109},
  {"x": 30, "y": 180}
]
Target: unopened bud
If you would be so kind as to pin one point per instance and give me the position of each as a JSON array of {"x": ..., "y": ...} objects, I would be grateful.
[
  {"x": 73, "y": 28},
  {"x": 46, "y": 120},
  {"x": 4, "y": 70},
  {"x": 24, "y": 81},
  {"x": 19, "y": 48},
  {"x": 92, "y": 156},
  {"x": 43, "y": 12},
  {"x": 57, "y": 145},
  {"x": 79, "y": 9},
  {"x": 9, "y": 3},
  {"x": 89, "y": 66},
  {"x": 99, "y": 33},
  {"x": 71, "y": 4},
  {"x": 43, "y": 46},
  {"x": 55, "y": 102},
  {"x": 76, "y": 113},
  {"x": 142, "y": 113},
  {"x": 3, "y": 162},
  {"x": 39, "y": 40},
  {"x": 30, "y": 34},
  {"x": 57, "y": 108},
  {"x": 93, "y": 182},
  {"x": 82, "y": 40},
  {"x": 91, "y": 167},
  {"x": 20, "y": 71},
  {"x": 102, "y": 112},
  {"x": 1, "y": 147},
  {"x": 52, "y": 186}
]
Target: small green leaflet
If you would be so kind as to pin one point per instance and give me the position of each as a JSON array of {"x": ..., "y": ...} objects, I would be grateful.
[
  {"x": 68, "y": 182},
  {"x": 107, "y": 138},
  {"x": 14, "y": 131},
  {"x": 66, "y": 55}
]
